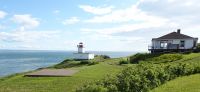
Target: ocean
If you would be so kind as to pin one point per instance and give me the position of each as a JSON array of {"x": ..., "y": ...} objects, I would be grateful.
[{"x": 16, "y": 61}]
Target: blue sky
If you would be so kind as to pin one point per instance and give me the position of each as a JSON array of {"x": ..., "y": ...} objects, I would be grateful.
[{"x": 103, "y": 25}]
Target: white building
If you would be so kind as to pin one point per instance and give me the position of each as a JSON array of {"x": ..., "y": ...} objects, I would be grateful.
[
  {"x": 81, "y": 53},
  {"x": 173, "y": 42}
]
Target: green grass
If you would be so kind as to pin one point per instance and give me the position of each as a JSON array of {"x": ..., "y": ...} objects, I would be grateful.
[
  {"x": 90, "y": 73},
  {"x": 170, "y": 58},
  {"x": 87, "y": 73},
  {"x": 182, "y": 84}
]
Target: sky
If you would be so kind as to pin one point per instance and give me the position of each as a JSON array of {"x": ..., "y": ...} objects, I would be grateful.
[{"x": 102, "y": 25}]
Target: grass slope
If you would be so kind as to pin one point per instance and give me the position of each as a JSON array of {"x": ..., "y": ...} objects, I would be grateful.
[
  {"x": 90, "y": 73},
  {"x": 86, "y": 73},
  {"x": 181, "y": 84}
]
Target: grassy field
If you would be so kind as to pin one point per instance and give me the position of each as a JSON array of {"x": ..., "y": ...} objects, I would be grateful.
[
  {"x": 86, "y": 73},
  {"x": 96, "y": 71},
  {"x": 182, "y": 84}
]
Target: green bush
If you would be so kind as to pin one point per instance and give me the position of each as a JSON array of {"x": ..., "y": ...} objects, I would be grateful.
[
  {"x": 85, "y": 62},
  {"x": 93, "y": 62},
  {"x": 122, "y": 61},
  {"x": 89, "y": 62},
  {"x": 144, "y": 77},
  {"x": 107, "y": 84},
  {"x": 155, "y": 58},
  {"x": 197, "y": 48},
  {"x": 141, "y": 56},
  {"x": 167, "y": 58},
  {"x": 67, "y": 64},
  {"x": 103, "y": 56}
]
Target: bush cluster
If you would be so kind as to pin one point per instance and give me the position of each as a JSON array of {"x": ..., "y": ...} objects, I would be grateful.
[
  {"x": 141, "y": 56},
  {"x": 89, "y": 62},
  {"x": 123, "y": 61},
  {"x": 197, "y": 48},
  {"x": 155, "y": 57},
  {"x": 167, "y": 58},
  {"x": 143, "y": 77},
  {"x": 103, "y": 56}
]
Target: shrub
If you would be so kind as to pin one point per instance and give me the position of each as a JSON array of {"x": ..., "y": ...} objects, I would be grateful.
[
  {"x": 197, "y": 48},
  {"x": 85, "y": 62},
  {"x": 144, "y": 77},
  {"x": 89, "y": 62},
  {"x": 103, "y": 56},
  {"x": 107, "y": 84},
  {"x": 167, "y": 58},
  {"x": 93, "y": 62},
  {"x": 155, "y": 58},
  {"x": 141, "y": 56},
  {"x": 66, "y": 64},
  {"x": 122, "y": 61},
  {"x": 92, "y": 88}
]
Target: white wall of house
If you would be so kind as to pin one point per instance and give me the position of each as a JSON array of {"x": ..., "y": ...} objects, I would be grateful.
[
  {"x": 188, "y": 43},
  {"x": 176, "y": 41}
]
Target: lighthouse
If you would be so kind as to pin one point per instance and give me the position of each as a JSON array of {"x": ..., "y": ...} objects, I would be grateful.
[
  {"x": 81, "y": 54},
  {"x": 80, "y": 48}
]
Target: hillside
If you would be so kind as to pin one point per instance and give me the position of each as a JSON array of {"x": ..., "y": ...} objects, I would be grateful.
[
  {"x": 152, "y": 70},
  {"x": 87, "y": 73},
  {"x": 182, "y": 84}
]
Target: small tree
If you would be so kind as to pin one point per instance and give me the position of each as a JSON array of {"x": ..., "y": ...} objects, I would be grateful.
[{"x": 197, "y": 48}]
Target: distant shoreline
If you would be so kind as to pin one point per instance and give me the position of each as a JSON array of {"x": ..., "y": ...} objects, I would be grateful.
[{"x": 25, "y": 60}]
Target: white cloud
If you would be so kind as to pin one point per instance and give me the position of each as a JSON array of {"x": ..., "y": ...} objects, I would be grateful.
[
  {"x": 119, "y": 43},
  {"x": 138, "y": 20},
  {"x": 26, "y": 21},
  {"x": 71, "y": 20},
  {"x": 2, "y": 14},
  {"x": 132, "y": 13},
  {"x": 124, "y": 28},
  {"x": 96, "y": 10},
  {"x": 148, "y": 18},
  {"x": 148, "y": 14},
  {"x": 184, "y": 13},
  {"x": 26, "y": 36}
]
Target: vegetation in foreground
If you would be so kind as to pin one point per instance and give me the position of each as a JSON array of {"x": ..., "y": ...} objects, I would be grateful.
[
  {"x": 183, "y": 84},
  {"x": 140, "y": 72},
  {"x": 87, "y": 73},
  {"x": 146, "y": 76}
]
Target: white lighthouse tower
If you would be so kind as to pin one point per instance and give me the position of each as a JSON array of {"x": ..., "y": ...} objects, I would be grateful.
[
  {"x": 81, "y": 55},
  {"x": 80, "y": 48}
]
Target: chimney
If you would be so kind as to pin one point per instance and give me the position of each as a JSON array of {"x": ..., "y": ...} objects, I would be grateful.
[{"x": 179, "y": 31}]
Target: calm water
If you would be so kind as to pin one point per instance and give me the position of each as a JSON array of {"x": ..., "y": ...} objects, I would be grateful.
[{"x": 15, "y": 61}]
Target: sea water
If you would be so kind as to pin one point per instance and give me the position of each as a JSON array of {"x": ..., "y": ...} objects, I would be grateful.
[{"x": 16, "y": 61}]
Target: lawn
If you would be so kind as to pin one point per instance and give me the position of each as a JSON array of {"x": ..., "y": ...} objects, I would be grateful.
[
  {"x": 96, "y": 71},
  {"x": 182, "y": 84},
  {"x": 86, "y": 74}
]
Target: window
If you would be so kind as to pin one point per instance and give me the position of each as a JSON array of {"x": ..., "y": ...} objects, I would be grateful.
[
  {"x": 182, "y": 44},
  {"x": 163, "y": 45}
]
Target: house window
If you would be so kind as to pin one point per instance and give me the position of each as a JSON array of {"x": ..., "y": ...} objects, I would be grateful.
[
  {"x": 163, "y": 45},
  {"x": 182, "y": 44}
]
